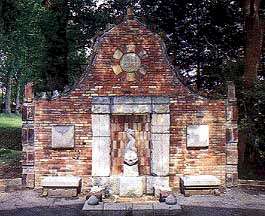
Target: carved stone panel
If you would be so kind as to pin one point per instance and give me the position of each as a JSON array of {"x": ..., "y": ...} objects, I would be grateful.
[
  {"x": 63, "y": 136},
  {"x": 197, "y": 136}
]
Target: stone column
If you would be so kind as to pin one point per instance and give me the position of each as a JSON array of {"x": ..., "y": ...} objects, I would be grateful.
[
  {"x": 231, "y": 137},
  {"x": 28, "y": 154},
  {"x": 160, "y": 137},
  {"x": 101, "y": 141}
]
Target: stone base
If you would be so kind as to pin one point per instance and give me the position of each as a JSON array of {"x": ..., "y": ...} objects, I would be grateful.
[
  {"x": 153, "y": 182},
  {"x": 111, "y": 183},
  {"x": 130, "y": 170},
  {"x": 201, "y": 191},
  {"x": 199, "y": 185},
  {"x": 132, "y": 186},
  {"x": 125, "y": 209}
]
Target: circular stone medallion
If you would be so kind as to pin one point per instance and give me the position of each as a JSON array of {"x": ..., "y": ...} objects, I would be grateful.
[{"x": 130, "y": 62}]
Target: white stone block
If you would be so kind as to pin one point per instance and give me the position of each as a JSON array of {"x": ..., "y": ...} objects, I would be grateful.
[
  {"x": 132, "y": 186},
  {"x": 160, "y": 123},
  {"x": 101, "y": 156},
  {"x": 160, "y": 108},
  {"x": 110, "y": 182},
  {"x": 61, "y": 181},
  {"x": 160, "y": 154},
  {"x": 63, "y": 136},
  {"x": 200, "y": 180},
  {"x": 160, "y": 100},
  {"x": 156, "y": 181},
  {"x": 197, "y": 136},
  {"x": 101, "y": 108},
  {"x": 100, "y": 125}
]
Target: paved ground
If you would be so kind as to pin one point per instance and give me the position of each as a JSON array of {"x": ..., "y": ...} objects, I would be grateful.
[{"x": 234, "y": 202}]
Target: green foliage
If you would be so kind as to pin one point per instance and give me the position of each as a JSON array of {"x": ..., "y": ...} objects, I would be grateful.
[
  {"x": 10, "y": 131},
  {"x": 252, "y": 120},
  {"x": 9, "y": 156}
]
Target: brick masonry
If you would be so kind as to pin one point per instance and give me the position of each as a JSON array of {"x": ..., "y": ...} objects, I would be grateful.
[{"x": 75, "y": 108}]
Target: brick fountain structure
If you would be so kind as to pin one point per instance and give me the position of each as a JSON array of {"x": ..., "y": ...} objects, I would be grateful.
[{"x": 76, "y": 140}]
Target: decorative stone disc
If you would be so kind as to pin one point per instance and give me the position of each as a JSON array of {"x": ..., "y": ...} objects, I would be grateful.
[{"x": 130, "y": 62}]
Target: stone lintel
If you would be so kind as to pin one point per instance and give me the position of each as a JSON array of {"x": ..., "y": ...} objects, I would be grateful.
[
  {"x": 131, "y": 109},
  {"x": 100, "y": 100},
  {"x": 131, "y": 100},
  {"x": 160, "y": 108},
  {"x": 160, "y": 100},
  {"x": 101, "y": 108}
]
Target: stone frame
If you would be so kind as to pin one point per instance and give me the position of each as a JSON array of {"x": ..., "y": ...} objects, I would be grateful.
[{"x": 104, "y": 107}]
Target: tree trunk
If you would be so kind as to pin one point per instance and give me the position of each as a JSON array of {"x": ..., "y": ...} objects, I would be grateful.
[
  {"x": 18, "y": 99},
  {"x": 7, "y": 109},
  {"x": 254, "y": 28}
]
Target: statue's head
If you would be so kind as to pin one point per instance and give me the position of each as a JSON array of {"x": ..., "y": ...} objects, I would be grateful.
[{"x": 130, "y": 157}]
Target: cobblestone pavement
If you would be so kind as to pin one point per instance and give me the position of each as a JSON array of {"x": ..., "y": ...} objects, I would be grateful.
[{"x": 233, "y": 202}]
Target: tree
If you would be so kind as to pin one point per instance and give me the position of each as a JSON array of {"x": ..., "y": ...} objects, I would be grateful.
[
  {"x": 8, "y": 13},
  {"x": 254, "y": 31}
]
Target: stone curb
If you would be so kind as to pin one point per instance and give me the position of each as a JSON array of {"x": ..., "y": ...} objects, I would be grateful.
[
  {"x": 125, "y": 209},
  {"x": 10, "y": 184}
]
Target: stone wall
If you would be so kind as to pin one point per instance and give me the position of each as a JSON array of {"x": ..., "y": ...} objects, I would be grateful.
[{"x": 104, "y": 77}]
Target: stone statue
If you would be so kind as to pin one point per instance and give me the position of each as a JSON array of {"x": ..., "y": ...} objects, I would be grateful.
[{"x": 130, "y": 153}]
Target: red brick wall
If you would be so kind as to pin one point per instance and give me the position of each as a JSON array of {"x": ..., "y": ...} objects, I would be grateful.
[{"x": 100, "y": 80}]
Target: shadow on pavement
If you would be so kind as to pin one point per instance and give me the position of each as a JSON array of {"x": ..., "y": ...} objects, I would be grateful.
[{"x": 75, "y": 210}]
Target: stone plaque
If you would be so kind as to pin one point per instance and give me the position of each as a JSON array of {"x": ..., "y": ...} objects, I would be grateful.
[
  {"x": 197, "y": 136},
  {"x": 130, "y": 62},
  {"x": 63, "y": 136}
]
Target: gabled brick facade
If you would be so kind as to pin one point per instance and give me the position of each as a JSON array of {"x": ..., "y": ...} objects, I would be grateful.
[{"x": 157, "y": 80}]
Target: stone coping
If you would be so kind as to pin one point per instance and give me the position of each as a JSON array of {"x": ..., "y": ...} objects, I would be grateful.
[
  {"x": 61, "y": 181},
  {"x": 200, "y": 180},
  {"x": 132, "y": 209}
]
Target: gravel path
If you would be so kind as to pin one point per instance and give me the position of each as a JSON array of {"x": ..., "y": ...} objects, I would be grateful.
[{"x": 233, "y": 202}]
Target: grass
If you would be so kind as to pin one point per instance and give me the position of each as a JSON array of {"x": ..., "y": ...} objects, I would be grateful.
[
  {"x": 10, "y": 131},
  {"x": 10, "y": 146},
  {"x": 10, "y": 121}
]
